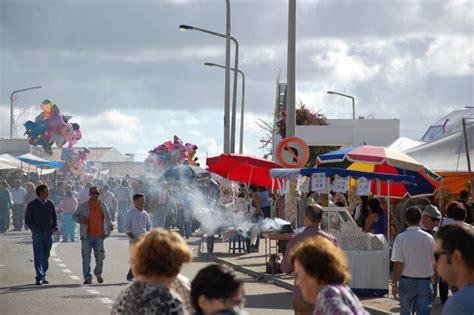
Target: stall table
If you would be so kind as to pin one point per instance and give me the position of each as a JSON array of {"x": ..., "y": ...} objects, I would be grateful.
[{"x": 269, "y": 237}]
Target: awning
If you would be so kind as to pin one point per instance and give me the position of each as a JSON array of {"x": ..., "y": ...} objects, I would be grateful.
[
  {"x": 331, "y": 171},
  {"x": 39, "y": 162}
]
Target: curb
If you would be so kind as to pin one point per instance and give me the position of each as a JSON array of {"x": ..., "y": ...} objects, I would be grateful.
[{"x": 271, "y": 279}]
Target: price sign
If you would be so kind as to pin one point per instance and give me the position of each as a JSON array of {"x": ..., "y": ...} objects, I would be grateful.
[
  {"x": 318, "y": 182},
  {"x": 363, "y": 186},
  {"x": 340, "y": 184}
]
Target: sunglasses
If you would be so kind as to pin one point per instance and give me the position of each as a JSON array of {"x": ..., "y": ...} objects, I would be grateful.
[
  {"x": 436, "y": 255},
  {"x": 94, "y": 193}
]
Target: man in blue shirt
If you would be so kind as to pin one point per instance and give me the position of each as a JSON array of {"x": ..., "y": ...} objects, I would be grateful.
[
  {"x": 454, "y": 260},
  {"x": 40, "y": 217}
]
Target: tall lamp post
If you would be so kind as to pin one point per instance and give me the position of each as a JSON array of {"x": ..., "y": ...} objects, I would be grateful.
[
  {"x": 184, "y": 27},
  {"x": 241, "y": 139},
  {"x": 12, "y": 121},
  {"x": 290, "y": 73},
  {"x": 348, "y": 96}
]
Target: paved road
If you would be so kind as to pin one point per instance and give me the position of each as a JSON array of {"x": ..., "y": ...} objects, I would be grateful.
[{"x": 67, "y": 295}]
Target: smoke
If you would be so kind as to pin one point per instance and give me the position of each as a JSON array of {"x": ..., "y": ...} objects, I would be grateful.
[{"x": 201, "y": 197}]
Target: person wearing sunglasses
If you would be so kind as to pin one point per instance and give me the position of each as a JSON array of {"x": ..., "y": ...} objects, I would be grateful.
[
  {"x": 454, "y": 261},
  {"x": 412, "y": 255},
  {"x": 95, "y": 225}
]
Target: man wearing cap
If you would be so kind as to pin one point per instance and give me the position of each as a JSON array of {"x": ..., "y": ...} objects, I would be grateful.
[{"x": 430, "y": 219}]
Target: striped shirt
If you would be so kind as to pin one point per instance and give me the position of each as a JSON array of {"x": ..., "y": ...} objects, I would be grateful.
[{"x": 137, "y": 222}]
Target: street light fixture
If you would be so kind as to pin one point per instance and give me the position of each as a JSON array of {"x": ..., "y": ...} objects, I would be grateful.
[
  {"x": 241, "y": 139},
  {"x": 348, "y": 96},
  {"x": 12, "y": 121},
  {"x": 184, "y": 27}
]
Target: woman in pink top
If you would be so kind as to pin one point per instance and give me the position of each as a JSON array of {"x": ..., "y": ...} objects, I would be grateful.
[{"x": 68, "y": 206}]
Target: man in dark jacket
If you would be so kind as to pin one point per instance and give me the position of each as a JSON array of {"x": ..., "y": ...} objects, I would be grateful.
[{"x": 40, "y": 217}]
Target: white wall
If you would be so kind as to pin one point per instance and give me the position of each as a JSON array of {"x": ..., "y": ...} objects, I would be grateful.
[{"x": 349, "y": 132}]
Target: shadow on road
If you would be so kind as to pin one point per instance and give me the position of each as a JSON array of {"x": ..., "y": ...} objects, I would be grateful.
[
  {"x": 32, "y": 287},
  {"x": 282, "y": 301}
]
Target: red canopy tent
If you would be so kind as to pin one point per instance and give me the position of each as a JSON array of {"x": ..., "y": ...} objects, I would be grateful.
[{"x": 243, "y": 168}]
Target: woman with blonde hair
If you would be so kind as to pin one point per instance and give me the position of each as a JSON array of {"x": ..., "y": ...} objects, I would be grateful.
[
  {"x": 156, "y": 260},
  {"x": 322, "y": 274}
]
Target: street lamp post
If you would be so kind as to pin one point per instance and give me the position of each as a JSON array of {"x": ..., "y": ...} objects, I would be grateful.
[
  {"x": 348, "y": 96},
  {"x": 242, "y": 106},
  {"x": 11, "y": 106},
  {"x": 290, "y": 73},
  {"x": 236, "y": 66}
]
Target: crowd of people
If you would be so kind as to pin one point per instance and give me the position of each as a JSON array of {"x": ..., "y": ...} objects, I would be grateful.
[{"x": 430, "y": 250}]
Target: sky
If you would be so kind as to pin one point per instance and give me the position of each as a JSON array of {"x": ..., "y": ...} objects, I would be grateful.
[{"x": 132, "y": 80}]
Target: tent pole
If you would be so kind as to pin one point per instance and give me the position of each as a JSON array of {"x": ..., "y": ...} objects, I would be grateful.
[
  {"x": 468, "y": 159},
  {"x": 388, "y": 211}
]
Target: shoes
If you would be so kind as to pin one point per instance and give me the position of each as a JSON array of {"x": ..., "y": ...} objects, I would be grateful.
[
  {"x": 88, "y": 281},
  {"x": 99, "y": 278},
  {"x": 38, "y": 282},
  {"x": 45, "y": 281}
]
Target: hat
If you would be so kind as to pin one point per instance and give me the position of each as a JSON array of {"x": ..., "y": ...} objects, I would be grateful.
[{"x": 432, "y": 211}]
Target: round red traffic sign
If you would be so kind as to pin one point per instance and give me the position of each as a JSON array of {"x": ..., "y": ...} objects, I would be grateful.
[{"x": 293, "y": 152}]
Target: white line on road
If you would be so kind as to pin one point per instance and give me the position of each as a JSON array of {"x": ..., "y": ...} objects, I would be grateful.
[
  {"x": 67, "y": 271},
  {"x": 57, "y": 260},
  {"x": 53, "y": 249},
  {"x": 73, "y": 277},
  {"x": 106, "y": 300},
  {"x": 62, "y": 265},
  {"x": 91, "y": 291}
]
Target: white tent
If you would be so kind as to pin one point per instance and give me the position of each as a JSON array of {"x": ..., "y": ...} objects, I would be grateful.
[
  {"x": 447, "y": 154},
  {"x": 14, "y": 163},
  {"x": 403, "y": 144}
]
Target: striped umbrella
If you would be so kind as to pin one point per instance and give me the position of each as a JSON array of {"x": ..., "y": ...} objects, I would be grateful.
[{"x": 378, "y": 159}]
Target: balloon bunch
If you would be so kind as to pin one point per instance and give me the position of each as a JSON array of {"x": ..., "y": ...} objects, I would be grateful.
[
  {"x": 76, "y": 164},
  {"x": 50, "y": 126},
  {"x": 171, "y": 153}
]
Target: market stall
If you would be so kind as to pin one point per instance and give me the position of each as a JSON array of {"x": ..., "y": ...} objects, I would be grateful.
[{"x": 367, "y": 253}]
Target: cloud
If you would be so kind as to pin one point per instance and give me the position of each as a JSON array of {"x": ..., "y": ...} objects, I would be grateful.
[
  {"x": 126, "y": 62},
  {"x": 110, "y": 127}
]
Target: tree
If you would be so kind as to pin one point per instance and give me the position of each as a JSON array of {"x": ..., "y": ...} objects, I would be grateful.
[{"x": 304, "y": 117}]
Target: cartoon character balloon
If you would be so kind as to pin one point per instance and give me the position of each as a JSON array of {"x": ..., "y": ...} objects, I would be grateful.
[{"x": 50, "y": 126}]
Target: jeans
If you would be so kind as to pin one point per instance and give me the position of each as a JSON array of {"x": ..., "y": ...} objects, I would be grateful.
[
  {"x": 88, "y": 244},
  {"x": 42, "y": 243},
  {"x": 415, "y": 294},
  {"x": 18, "y": 216},
  {"x": 4, "y": 219},
  {"x": 69, "y": 227},
  {"x": 121, "y": 215}
]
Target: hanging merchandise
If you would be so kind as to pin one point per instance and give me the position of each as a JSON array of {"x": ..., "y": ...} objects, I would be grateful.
[{"x": 303, "y": 184}]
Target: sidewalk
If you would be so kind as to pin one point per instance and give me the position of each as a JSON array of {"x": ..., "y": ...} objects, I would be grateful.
[{"x": 253, "y": 264}]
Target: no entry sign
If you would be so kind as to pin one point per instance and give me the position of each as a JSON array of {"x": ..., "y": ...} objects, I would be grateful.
[{"x": 293, "y": 152}]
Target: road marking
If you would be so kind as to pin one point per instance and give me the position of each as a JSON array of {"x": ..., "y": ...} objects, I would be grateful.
[
  {"x": 3, "y": 265},
  {"x": 73, "y": 277},
  {"x": 67, "y": 271},
  {"x": 106, "y": 300},
  {"x": 93, "y": 291},
  {"x": 57, "y": 260},
  {"x": 62, "y": 265},
  {"x": 53, "y": 249}
]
